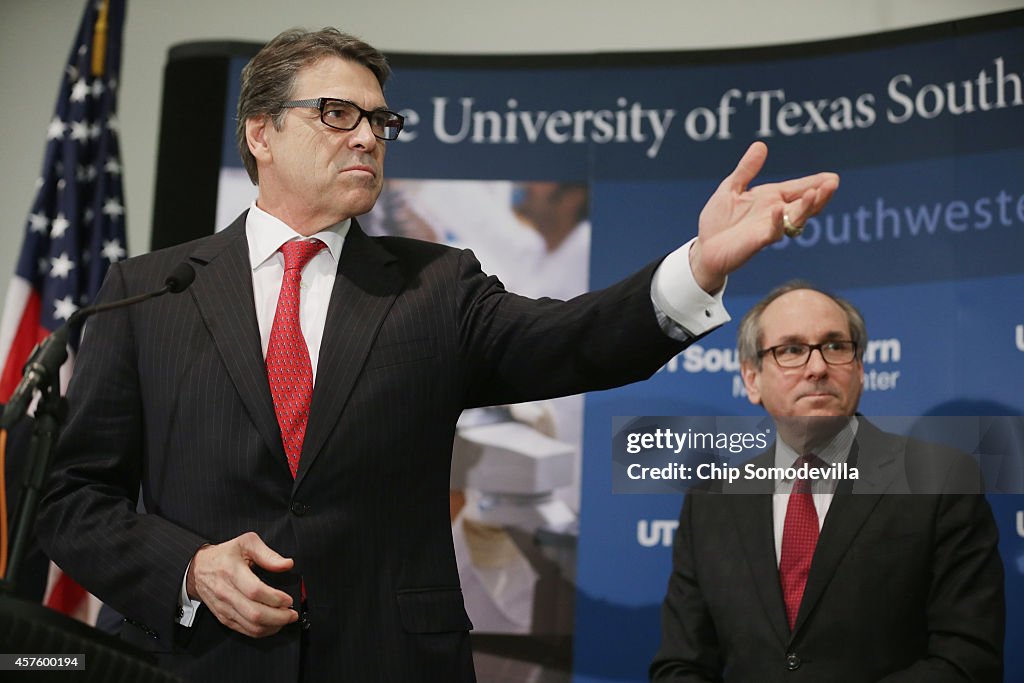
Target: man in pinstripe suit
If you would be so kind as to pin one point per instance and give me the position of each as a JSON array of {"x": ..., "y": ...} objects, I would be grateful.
[{"x": 343, "y": 568}]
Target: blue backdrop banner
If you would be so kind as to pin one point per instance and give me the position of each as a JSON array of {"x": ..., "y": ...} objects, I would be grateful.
[{"x": 925, "y": 236}]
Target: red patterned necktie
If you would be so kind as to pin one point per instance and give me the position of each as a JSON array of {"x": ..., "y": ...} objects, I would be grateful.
[
  {"x": 288, "y": 367},
  {"x": 799, "y": 537}
]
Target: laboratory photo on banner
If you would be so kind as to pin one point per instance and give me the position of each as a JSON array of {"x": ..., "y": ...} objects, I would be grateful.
[{"x": 515, "y": 468}]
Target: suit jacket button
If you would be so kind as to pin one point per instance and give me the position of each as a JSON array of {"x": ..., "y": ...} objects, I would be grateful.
[
  {"x": 792, "y": 661},
  {"x": 299, "y": 509}
]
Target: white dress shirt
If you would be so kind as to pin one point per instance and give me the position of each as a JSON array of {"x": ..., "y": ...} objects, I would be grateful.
[
  {"x": 835, "y": 451},
  {"x": 266, "y": 235}
]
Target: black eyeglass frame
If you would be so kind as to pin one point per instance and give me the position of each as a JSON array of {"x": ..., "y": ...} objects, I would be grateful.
[
  {"x": 811, "y": 348},
  {"x": 321, "y": 103}
]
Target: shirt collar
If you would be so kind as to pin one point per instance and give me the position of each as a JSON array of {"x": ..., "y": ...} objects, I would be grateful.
[
  {"x": 835, "y": 451},
  {"x": 266, "y": 234}
]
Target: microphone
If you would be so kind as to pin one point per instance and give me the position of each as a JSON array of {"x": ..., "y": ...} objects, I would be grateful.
[
  {"x": 178, "y": 281},
  {"x": 180, "y": 278},
  {"x": 51, "y": 352}
]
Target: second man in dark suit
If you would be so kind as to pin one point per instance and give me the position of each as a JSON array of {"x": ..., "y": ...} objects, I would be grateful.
[{"x": 894, "y": 576}]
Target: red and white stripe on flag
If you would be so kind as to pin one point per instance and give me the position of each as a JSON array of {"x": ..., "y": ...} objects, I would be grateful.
[
  {"x": 75, "y": 228},
  {"x": 67, "y": 597}
]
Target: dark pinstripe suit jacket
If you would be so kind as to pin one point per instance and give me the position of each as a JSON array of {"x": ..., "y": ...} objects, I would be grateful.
[{"x": 173, "y": 395}]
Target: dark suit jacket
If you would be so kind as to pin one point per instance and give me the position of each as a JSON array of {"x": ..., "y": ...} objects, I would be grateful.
[
  {"x": 902, "y": 587},
  {"x": 173, "y": 393}
]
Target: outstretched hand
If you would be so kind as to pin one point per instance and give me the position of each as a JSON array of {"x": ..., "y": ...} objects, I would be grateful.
[{"x": 738, "y": 220}]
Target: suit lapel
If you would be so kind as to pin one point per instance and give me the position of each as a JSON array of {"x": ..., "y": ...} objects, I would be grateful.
[
  {"x": 752, "y": 505},
  {"x": 223, "y": 293},
  {"x": 876, "y": 460},
  {"x": 367, "y": 283}
]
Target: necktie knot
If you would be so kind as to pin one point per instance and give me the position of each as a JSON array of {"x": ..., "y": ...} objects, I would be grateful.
[
  {"x": 809, "y": 459},
  {"x": 298, "y": 253},
  {"x": 813, "y": 462}
]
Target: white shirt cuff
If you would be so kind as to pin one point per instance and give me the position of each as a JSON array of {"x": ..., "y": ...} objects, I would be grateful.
[
  {"x": 684, "y": 309},
  {"x": 187, "y": 607}
]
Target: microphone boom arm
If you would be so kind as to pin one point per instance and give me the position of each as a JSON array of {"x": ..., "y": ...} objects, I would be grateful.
[{"x": 43, "y": 365}]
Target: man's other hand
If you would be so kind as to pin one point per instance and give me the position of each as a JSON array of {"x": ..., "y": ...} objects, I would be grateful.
[{"x": 221, "y": 577}]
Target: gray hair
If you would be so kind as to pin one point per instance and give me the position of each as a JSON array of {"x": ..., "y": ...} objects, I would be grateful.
[
  {"x": 750, "y": 335},
  {"x": 269, "y": 77}
]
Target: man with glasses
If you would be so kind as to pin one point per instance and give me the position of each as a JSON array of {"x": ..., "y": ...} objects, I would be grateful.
[
  {"x": 809, "y": 580},
  {"x": 290, "y": 418}
]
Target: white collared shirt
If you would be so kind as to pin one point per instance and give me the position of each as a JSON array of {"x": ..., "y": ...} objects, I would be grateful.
[
  {"x": 265, "y": 235},
  {"x": 835, "y": 451}
]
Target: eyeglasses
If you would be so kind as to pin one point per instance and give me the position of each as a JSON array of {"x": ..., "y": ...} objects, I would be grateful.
[
  {"x": 345, "y": 115},
  {"x": 797, "y": 355}
]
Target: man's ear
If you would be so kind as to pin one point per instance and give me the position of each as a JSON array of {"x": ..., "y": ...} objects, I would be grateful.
[
  {"x": 751, "y": 381},
  {"x": 256, "y": 137}
]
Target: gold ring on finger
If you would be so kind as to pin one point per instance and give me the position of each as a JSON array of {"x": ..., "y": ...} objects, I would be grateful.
[{"x": 790, "y": 228}]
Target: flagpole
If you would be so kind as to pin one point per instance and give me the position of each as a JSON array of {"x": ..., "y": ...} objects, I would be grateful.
[{"x": 76, "y": 224}]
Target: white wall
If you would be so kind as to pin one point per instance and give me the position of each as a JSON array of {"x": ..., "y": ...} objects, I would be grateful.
[{"x": 36, "y": 35}]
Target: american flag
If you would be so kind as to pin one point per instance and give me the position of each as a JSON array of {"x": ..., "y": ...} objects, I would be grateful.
[{"x": 75, "y": 228}]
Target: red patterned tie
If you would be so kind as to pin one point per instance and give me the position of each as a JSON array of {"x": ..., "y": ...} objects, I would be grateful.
[
  {"x": 288, "y": 367},
  {"x": 799, "y": 537}
]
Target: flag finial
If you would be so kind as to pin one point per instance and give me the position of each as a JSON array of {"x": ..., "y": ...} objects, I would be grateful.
[{"x": 99, "y": 40}]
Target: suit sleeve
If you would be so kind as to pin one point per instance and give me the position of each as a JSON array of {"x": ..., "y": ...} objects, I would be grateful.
[
  {"x": 519, "y": 349},
  {"x": 966, "y": 610},
  {"x": 89, "y": 524},
  {"x": 689, "y": 651}
]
